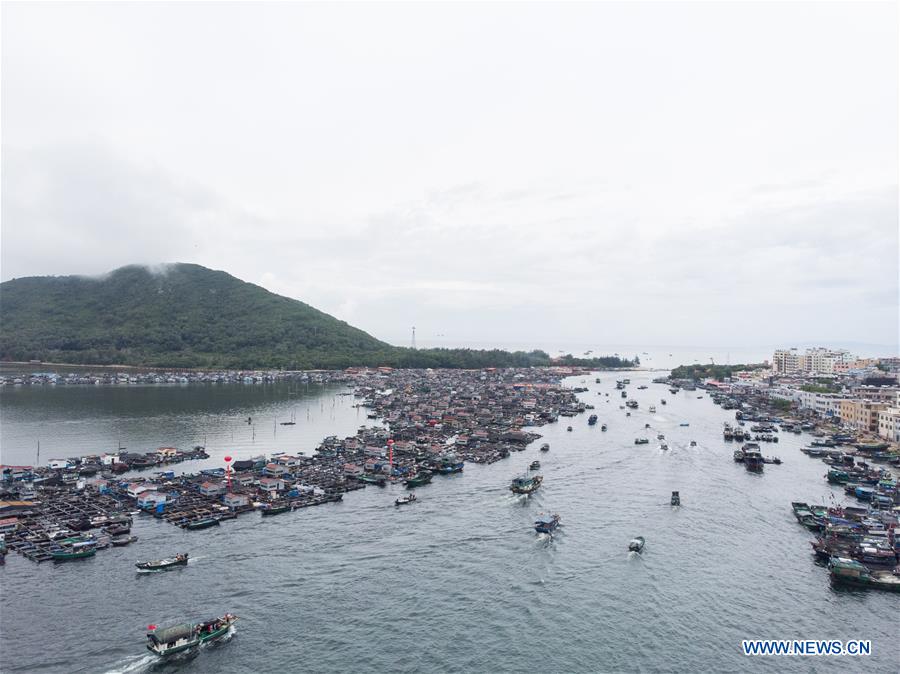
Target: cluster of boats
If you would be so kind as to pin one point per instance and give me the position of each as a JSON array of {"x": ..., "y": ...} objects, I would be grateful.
[
  {"x": 860, "y": 545},
  {"x": 752, "y": 458}
]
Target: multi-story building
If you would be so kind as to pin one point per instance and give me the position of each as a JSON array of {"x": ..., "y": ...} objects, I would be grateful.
[
  {"x": 878, "y": 394},
  {"x": 815, "y": 361},
  {"x": 786, "y": 361},
  {"x": 889, "y": 424},
  {"x": 861, "y": 414}
]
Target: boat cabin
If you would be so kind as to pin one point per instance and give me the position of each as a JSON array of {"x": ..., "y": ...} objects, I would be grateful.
[{"x": 170, "y": 640}]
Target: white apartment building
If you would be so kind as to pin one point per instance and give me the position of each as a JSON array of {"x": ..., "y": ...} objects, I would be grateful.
[
  {"x": 815, "y": 361},
  {"x": 889, "y": 424}
]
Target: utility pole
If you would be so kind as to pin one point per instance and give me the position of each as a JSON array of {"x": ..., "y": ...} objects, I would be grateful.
[{"x": 414, "y": 337}]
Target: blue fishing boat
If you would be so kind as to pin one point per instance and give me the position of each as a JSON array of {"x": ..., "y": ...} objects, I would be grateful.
[{"x": 546, "y": 524}]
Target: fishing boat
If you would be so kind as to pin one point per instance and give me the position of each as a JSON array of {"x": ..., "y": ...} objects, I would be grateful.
[
  {"x": 641, "y": 441},
  {"x": 535, "y": 465},
  {"x": 216, "y": 628},
  {"x": 171, "y": 640},
  {"x": 421, "y": 478},
  {"x": 181, "y": 559},
  {"x": 368, "y": 478},
  {"x": 684, "y": 423},
  {"x": 652, "y": 409},
  {"x": 450, "y": 464},
  {"x": 123, "y": 540},
  {"x": 603, "y": 427},
  {"x": 636, "y": 544},
  {"x": 693, "y": 443},
  {"x": 271, "y": 509},
  {"x": 75, "y": 550},
  {"x": 663, "y": 446},
  {"x": 545, "y": 447},
  {"x": 404, "y": 500},
  {"x": 179, "y": 638},
  {"x": 203, "y": 523},
  {"x": 568, "y": 428},
  {"x": 546, "y": 524},
  {"x": 851, "y": 572},
  {"x": 676, "y": 499},
  {"x": 753, "y": 460},
  {"x": 592, "y": 419},
  {"x": 525, "y": 484}
]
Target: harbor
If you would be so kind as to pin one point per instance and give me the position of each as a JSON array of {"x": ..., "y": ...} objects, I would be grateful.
[{"x": 467, "y": 530}]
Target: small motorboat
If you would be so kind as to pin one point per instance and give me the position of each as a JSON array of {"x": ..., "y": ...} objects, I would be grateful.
[
  {"x": 546, "y": 524},
  {"x": 636, "y": 544},
  {"x": 693, "y": 443},
  {"x": 181, "y": 559},
  {"x": 404, "y": 500},
  {"x": 603, "y": 427},
  {"x": 676, "y": 499},
  {"x": 664, "y": 446},
  {"x": 545, "y": 447},
  {"x": 535, "y": 465},
  {"x": 569, "y": 428}
]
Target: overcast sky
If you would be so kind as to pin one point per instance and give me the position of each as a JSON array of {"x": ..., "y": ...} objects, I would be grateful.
[{"x": 697, "y": 174}]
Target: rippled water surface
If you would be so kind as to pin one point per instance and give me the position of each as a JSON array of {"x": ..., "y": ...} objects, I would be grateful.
[{"x": 459, "y": 581}]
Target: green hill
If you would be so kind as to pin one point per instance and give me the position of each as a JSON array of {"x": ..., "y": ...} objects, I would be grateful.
[
  {"x": 191, "y": 316},
  {"x": 186, "y": 315}
]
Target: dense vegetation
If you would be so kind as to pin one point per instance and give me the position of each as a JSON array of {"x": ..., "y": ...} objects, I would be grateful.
[
  {"x": 819, "y": 388},
  {"x": 710, "y": 371},
  {"x": 191, "y": 316}
]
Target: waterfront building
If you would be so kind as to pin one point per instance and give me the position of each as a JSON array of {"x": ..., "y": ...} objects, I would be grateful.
[
  {"x": 878, "y": 394},
  {"x": 861, "y": 414},
  {"x": 814, "y": 361},
  {"x": 889, "y": 424}
]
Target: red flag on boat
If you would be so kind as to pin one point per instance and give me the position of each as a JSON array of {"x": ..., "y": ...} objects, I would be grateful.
[
  {"x": 151, "y": 627},
  {"x": 228, "y": 458}
]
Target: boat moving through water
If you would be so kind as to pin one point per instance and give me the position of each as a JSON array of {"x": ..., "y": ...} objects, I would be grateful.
[
  {"x": 181, "y": 559},
  {"x": 404, "y": 500},
  {"x": 546, "y": 524},
  {"x": 636, "y": 544},
  {"x": 179, "y": 638}
]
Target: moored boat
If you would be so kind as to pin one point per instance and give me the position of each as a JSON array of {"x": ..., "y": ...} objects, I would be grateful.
[
  {"x": 421, "y": 478},
  {"x": 181, "y": 559},
  {"x": 203, "y": 523},
  {"x": 75, "y": 550},
  {"x": 545, "y": 447},
  {"x": 273, "y": 509},
  {"x": 535, "y": 465}
]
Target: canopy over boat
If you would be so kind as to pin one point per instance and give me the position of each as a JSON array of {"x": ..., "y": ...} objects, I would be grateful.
[{"x": 167, "y": 635}]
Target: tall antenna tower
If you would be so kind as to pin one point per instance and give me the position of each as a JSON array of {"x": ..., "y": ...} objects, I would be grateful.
[{"x": 414, "y": 337}]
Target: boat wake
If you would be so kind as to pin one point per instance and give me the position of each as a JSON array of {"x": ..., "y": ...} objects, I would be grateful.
[{"x": 137, "y": 663}]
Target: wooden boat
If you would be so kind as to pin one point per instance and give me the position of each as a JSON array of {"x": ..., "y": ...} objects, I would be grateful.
[
  {"x": 179, "y": 638},
  {"x": 78, "y": 550},
  {"x": 270, "y": 509},
  {"x": 379, "y": 480},
  {"x": 851, "y": 572},
  {"x": 181, "y": 559},
  {"x": 636, "y": 544},
  {"x": 204, "y": 523},
  {"x": 216, "y": 628},
  {"x": 404, "y": 500},
  {"x": 171, "y": 640},
  {"x": 421, "y": 478},
  {"x": 525, "y": 484},
  {"x": 546, "y": 524},
  {"x": 122, "y": 540}
]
